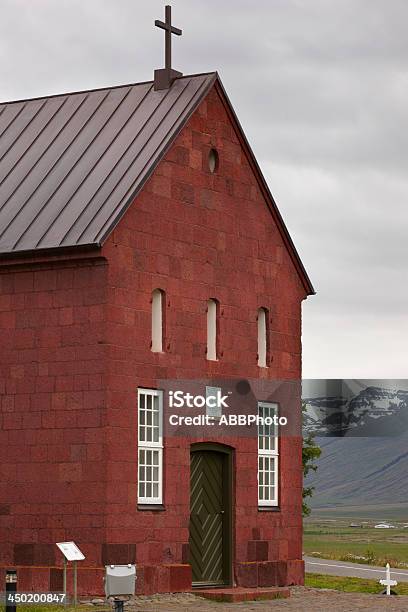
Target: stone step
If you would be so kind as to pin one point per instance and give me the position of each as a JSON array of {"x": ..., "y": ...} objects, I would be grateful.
[{"x": 238, "y": 594}]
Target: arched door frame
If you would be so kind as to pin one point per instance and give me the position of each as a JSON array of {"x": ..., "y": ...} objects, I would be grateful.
[{"x": 228, "y": 487}]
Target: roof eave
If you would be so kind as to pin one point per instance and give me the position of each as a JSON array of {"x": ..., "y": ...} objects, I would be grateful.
[{"x": 57, "y": 253}]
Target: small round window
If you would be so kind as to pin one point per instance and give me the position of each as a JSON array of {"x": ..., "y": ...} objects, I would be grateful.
[{"x": 213, "y": 160}]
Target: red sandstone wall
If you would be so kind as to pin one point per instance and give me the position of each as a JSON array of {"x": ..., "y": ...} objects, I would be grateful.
[
  {"x": 196, "y": 236},
  {"x": 52, "y": 438},
  {"x": 75, "y": 345}
]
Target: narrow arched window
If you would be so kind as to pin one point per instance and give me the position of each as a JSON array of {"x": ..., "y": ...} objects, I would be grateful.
[
  {"x": 263, "y": 338},
  {"x": 158, "y": 301},
  {"x": 212, "y": 330}
]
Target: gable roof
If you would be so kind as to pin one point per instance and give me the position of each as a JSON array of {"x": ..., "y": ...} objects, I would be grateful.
[{"x": 71, "y": 164}]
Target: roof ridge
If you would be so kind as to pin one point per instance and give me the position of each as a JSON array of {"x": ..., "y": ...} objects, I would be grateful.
[
  {"x": 93, "y": 195},
  {"x": 84, "y": 91}
]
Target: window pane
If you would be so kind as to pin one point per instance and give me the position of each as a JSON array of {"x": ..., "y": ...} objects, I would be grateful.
[
  {"x": 212, "y": 330},
  {"x": 267, "y": 455},
  {"x": 157, "y": 320},
  {"x": 150, "y": 457},
  {"x": 262, "y": 340}
]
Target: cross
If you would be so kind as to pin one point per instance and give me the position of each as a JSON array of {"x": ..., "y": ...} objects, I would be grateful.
[
  {"x": 169, "y": 29},
  {"x": 387, "y": 582},
  {"x": 164, "y": 77}
]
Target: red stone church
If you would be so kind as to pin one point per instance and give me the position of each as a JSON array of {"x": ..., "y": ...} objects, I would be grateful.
[{"x": 139, "y": 242}]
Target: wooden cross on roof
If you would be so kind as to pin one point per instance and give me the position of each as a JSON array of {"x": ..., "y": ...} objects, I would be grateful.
[{"x": 164, "y": 77}]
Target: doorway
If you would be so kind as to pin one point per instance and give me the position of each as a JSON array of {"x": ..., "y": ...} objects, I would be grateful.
[{"x": 211, "y": 514}]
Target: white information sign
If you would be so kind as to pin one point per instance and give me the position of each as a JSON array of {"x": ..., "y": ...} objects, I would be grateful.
[{"x": 70, "y": 551}]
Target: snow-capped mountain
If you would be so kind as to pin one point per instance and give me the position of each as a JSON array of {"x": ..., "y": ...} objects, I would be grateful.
[
  {"x": 372, "y": 411},
  {"x": 363, "y": 433}
]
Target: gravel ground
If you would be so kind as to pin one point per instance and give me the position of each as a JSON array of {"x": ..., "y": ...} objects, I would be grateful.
[{"x": 301, "y": 600}]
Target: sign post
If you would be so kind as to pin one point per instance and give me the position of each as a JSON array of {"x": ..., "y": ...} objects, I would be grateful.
[
  {"x": 65, "y": 580},
  {"x": 75, "y": 582},
  {"x": 72, "y": 553},
  {"x": 11, "y": 588}
]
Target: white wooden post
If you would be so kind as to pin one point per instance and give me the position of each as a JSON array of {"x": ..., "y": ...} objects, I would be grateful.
[{"x": 387, "y": 582}]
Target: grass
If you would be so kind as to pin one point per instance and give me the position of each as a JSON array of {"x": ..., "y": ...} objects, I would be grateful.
[
  {"x": 317, "y": 581},
  {"x": 335, "y": 539},
  {"x": 350, "y": 585},
  {"x": 377, "y": 512}
]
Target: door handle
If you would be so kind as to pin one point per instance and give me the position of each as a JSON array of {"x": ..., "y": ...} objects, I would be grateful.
[{"x": 222, "y": 512}]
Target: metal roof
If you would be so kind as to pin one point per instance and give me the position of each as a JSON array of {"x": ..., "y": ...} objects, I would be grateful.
[{"x": 71, "y": 164}]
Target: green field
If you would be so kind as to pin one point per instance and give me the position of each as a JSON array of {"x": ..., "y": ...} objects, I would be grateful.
[
  {"x": 349, "y": 585},
  {"x": 378, "y": 512},
  {"x": 335, "y": 539}
]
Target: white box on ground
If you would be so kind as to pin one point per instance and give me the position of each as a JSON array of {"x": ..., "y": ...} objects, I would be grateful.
[
  {"x": 70, "y": 551},
  {"x": 120, "y": 580}
]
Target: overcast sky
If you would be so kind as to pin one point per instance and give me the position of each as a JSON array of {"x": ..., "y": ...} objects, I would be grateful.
[{"x": 321, "y": 90}]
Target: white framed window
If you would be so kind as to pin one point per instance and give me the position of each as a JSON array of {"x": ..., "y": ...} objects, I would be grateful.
[
  {"x": 158, "y": 301},
  {"x": 150, "y": 446},
  {"x": 263, "y": 337},
  {"x": 212, "y": 330},
  {"x": 268, "y": 456}
]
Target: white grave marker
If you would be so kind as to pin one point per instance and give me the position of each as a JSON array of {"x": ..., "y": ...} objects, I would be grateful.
[{"x": 387, "y": 582}]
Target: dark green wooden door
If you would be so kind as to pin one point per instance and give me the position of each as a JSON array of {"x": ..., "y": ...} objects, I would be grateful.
[{"x": 209, "y": 517}]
